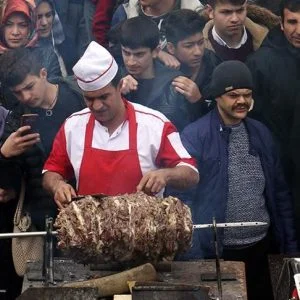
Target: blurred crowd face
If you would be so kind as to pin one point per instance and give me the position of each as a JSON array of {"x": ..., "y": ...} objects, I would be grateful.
[
  {"x": 16, "y": 30},
  {"x": 189, "y": 51},
  {"x": 229, "y": 19},
  {"x": 44, "y": 22},
  {"x": 139, "y": 62},
  {"x": 234, "y": 105},
  {"x": 291, "y": 27}
]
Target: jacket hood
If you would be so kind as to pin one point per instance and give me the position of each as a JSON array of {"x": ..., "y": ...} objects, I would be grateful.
[
  {"x": 22, "y": 6},
  {"x": 277, "y": 40},
  {"x": 262, "y": 16},
  {"x": 58, "y": 35}
]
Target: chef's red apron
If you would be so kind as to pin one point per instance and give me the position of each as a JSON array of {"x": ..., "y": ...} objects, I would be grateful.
[{"x": 110, "y": 172}]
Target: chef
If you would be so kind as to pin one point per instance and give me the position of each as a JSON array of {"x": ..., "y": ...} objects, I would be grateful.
[{"x": 114, "y": 146}]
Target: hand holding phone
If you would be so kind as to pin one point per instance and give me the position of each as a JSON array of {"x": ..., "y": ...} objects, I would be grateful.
[
  {"x": 22, "y": 139},
  {"x": 30, "y": 120}
]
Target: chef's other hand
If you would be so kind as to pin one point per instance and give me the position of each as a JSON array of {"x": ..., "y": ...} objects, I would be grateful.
[
  {"x": 188, "y": 88},
  {"x": 168, "y": 60},
  {"x": 154, "y": 181},
  {"x": 63, "y": 194},
  {"x": 18, "y": 142},
  {"x": 128, "y": 84},
  {"x": 7, "y": 195}
]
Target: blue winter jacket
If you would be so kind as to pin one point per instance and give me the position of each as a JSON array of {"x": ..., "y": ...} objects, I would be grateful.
[{"x": 207, "y": 140}]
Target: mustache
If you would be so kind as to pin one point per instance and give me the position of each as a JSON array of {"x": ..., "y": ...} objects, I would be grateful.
[{"x": 242, "y": 106}]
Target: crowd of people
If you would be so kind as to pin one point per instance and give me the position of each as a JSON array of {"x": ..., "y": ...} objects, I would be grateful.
[{"x": 196, "y": 99}]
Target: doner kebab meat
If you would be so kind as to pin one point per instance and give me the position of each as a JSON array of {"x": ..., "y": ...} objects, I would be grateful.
[{"x": 130, "y": 227}]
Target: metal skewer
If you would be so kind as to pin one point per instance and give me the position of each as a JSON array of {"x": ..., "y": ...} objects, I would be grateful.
[
  {"x": 223, "y": 225},
  {"x": 11, "y": 235}
]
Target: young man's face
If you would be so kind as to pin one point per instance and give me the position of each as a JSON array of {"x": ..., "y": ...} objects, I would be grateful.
[
  {"x": 139, "y": 62},
  {"x": 32, "y": 90},
  {"x": 105, "y": 104},
  {"x": 189, "y": 51},
  {"x": 233, "y": 106},
  {"x": 16, "y": 30},
  {"x": 228, "y": 19},
  {"x": 44, "y": 19},
  {"x": 291, "y": 27}
]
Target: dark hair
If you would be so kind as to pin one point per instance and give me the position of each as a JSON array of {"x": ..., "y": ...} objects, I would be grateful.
[
  {"x": 50, "y": 2},
  {"x": 182, "y": 24},
  {"x": 117, "y": 78},
  {"x": 139, "y": 32},
  {"x": 292, "y": 5},
  {"x": 213, "y": 3},
  {"x": 16, "y": 64}
]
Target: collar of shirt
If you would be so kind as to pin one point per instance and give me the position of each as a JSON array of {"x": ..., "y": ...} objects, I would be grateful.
[{"x": 221, "y": 42}]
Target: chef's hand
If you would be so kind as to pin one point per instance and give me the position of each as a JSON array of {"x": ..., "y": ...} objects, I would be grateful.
[
  {"x": 18, "y": 142},
  {"x": 63, "y": 194},
  {"x": 7, "y": 195},
  {"x": 153, "y": 182},
  {"x": 168, "y": 60},
  {"x": 188, "y": 88},
  {"x": 128, "y": 84}
]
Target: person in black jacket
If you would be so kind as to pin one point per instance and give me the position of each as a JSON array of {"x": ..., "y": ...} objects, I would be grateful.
[
  {"x": 147, "y": 81},
  {"x": 54, "y": 101},
  {"x": 185, "y": 41},
  {"x": 276, "y": 72}
]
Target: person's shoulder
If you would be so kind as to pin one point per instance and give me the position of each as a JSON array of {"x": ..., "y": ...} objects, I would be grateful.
[
  {"x": 162, "y": 71},
  {"x": 150, "y": 118},
  {"x": 77, "y": 118},
  {"x": 201, "y": 126},
  {"x": 148, "y": 114},
  {"x": 211, "y": 58}
]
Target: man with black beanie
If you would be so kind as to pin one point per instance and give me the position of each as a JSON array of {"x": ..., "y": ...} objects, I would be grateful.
[{"x": 241, "y": 181}]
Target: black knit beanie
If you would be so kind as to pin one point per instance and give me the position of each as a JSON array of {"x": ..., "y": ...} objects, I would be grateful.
[{"x": 230, "y": 75}]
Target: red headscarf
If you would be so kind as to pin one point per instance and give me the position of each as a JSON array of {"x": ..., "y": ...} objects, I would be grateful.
[{"x": 22, "y": 6}]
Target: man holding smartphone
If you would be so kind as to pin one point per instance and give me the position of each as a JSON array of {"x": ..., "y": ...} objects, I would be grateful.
[{"x": 49, "y": 104}]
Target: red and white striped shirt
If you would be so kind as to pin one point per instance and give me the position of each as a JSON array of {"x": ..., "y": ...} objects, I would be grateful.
[{"x": 158, "y": 142}]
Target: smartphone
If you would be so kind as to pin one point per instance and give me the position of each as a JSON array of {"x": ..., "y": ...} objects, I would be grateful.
[{"x": 31, "y": 120}]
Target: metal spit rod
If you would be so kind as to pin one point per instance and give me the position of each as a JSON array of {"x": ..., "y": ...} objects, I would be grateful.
[
  {"x": 223, "y": 225},
  {"x": 196, "y": 226}
]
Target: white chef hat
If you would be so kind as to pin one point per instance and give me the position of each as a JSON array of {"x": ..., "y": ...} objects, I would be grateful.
[{"x": 95, "y": 69}]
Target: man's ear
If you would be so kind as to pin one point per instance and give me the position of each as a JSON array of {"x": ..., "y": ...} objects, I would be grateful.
[
  {"x": 43, "y": 73},
  {"x": 209, "y": 11},
  {"x": 171, "y": 48}
]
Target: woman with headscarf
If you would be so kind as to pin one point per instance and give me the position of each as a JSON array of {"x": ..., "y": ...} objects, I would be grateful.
[
  {"x": 17, "y": 30},
  {"x": 50, "y": 34}
]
